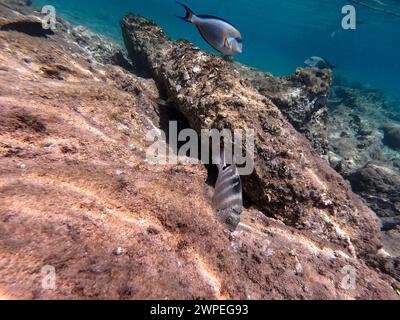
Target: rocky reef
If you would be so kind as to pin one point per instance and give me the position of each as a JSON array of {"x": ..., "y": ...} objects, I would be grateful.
[
  {"x": 363, "y": 137},
  {"x": 290, "y": 181},
  {"x": 77, "y": 193},
  {"x": 353, "y": 127},
  {"x": 302, "y": 99}
]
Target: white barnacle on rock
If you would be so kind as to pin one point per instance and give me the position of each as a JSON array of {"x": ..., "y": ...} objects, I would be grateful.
[
  {"x": 298, "y": 267},
  {"x": 122, "y": 126},
  {"x": 269, "y": 252},
  {"x": 327, "y": 203},
  {"x": 204, "y": 58},
  {"x": 196, "y": 69},
  {"x": 21, "y": 165},
  {"x": 295, "y": 93},
  {"x": 119, "y": 251}
]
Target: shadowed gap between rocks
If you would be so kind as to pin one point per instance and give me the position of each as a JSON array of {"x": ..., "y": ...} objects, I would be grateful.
[
  {"x": 170, "y": 113},
  {"x": 31, "y": 28}
]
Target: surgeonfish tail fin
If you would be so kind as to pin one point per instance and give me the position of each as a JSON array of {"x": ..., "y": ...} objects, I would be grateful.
[
  {"x": 331, "y": 66},
  {"x": 189, "y": 13}
]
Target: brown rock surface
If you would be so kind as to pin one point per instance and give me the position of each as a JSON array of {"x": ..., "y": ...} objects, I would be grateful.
[{"x": 76, "y": 193}]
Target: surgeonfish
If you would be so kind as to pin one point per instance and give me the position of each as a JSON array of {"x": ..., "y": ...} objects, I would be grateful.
[
  {"x": 228, "y": 199},
  {"x": 217, "y": 32},
  {"x": 318, "y": 62}
]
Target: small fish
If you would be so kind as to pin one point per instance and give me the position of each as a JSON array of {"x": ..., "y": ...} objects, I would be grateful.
[
  {"x": 318, "y": 62},
  {"x": 227, "y": 199},
  {"x": 217, "y": 32},
  {"x": 320, "y": 102}
]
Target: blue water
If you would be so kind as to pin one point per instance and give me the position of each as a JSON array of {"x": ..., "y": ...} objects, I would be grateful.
[{"x": 278, "y": 34}]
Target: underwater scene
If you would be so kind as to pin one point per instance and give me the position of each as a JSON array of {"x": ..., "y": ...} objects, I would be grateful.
[{"x": 200, "y": 150}]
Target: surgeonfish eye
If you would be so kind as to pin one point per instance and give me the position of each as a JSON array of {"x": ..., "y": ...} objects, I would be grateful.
[{"x": 236, "y": 45}]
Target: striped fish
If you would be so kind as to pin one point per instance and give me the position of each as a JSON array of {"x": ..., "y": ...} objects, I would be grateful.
[
  {"x": 217, "y": 32},
  {"x": 227, "y": 199}
]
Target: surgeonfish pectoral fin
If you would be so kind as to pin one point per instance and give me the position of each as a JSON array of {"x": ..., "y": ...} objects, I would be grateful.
[
  {"x": 226, "y": 41},
  {"x": 189, "y": 13}
]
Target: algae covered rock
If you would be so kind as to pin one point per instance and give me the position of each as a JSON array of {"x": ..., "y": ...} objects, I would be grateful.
[
  {"x": 392, "y": 136},
  {"x": 379, "y": 184},
  {"x": 302, "y": 99}
]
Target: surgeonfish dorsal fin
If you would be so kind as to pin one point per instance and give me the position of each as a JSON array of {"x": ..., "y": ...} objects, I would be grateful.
[{"x": 228, "y": 199}]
